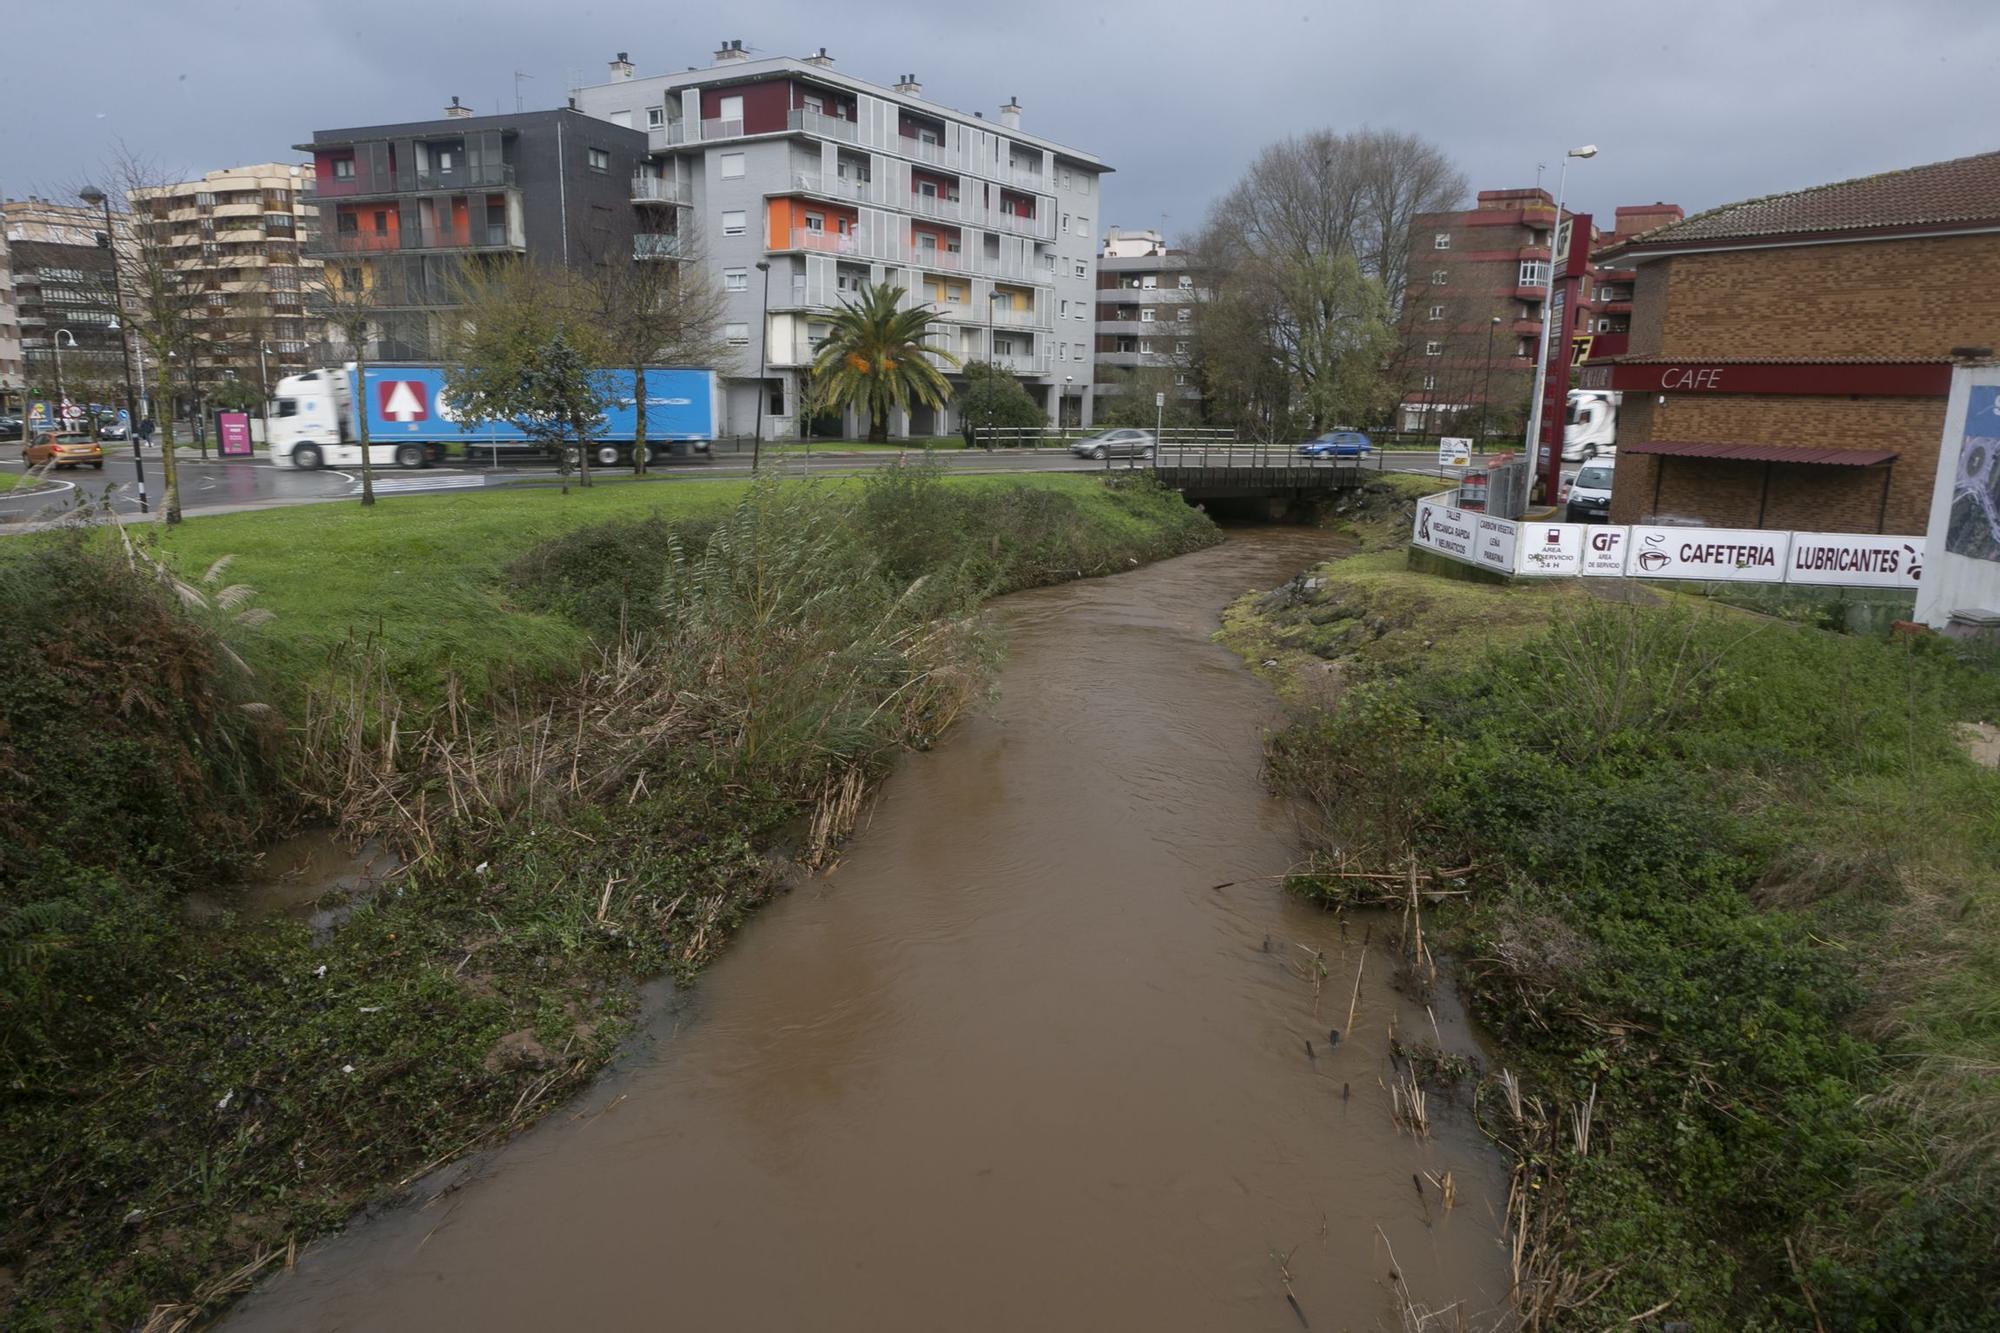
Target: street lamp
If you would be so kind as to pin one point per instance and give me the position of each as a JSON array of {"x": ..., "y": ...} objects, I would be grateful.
[
  {"x": 1486, "y": 397},
  {"x": 62, "y": 398},
  {"x": 90, "y": 194},
  {"x": 993, "y": 359},
  {"x": 264, "y": 389},
  {"x": 763, "y": 358},
  {"x": 1542, "y": 359}
]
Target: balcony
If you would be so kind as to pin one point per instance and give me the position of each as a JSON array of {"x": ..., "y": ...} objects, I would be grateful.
[
  {"x": 421, "y": 238},
  {"x": 942, "y": 261},
  {"x": 657, "y": 245},
  {"x": 1023, "y": 363},
  {"x": 486, "y": 176},
  {"x": 717, "y": 128},
  {"x": 1526, "y": 328},
  {"x": 661, "y": 137},
  {"x": 650, "y": 189},
  {"x": 934, "y": 153},
  {"x": 1022, "y": 319},
  {"x": 827, "y": 127},
  {"x": 822, "y": 242},
  {"x": 934, "y": 205},
  {"x": 845, "y": 188}
]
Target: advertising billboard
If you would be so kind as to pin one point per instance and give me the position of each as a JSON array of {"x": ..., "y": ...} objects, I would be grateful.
[
  {"x": 232, "y": 434},
  {"x": 1856, "y": 560},
  {"x": 1974, "y": 526},
  {"x": 1745, "y": 555}
]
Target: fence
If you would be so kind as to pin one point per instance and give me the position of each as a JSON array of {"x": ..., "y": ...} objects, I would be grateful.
[{"x": 1526, "y": 549}]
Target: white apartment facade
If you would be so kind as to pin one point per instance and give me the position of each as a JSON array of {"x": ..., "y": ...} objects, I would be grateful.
[
  {"x": 12, "y": 378},
  {"x": 1146, "y": 301},
  {"x": 837, "y": 184}
]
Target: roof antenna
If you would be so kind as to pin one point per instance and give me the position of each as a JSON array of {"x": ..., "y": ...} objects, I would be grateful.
[{"x": 518, "y": 76}]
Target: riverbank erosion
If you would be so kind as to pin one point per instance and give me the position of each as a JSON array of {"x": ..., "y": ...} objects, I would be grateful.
[
  {"x": 1724, "y": 892},
  {"x": 598, "y": 728}
]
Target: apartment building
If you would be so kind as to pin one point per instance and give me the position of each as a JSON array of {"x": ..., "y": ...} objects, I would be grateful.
[
  {"x": 12, "y": 381},
  {"x": 65, "y": 300},
  {"x": 1472, "y": 317},
  {"x": 1146, "y": 294},
  {"x": 238, "y": 236},
  {"x": 799, "y": 186},
  {"x": 403, "y": 208}
]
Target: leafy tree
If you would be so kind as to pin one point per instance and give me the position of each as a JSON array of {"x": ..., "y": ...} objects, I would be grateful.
[
  {"x": 348, "y": 299},
  {"x": 873, "y": 359},
  {"x": 1133, "y": 404},
  {"x": 993, "y": 399},
  {"x": 529, "y": 351}
]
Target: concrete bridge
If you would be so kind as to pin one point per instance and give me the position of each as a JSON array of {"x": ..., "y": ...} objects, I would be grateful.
[{"x": 1249, "y": 471}]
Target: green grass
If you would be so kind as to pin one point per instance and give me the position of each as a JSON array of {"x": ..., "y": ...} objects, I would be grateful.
[
  {"x": 1738, "y": 887},
  {"x": 8, "y": 481}
]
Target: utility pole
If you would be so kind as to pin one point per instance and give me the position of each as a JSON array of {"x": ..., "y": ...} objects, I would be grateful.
[
  {"x": 763, "y": 358},
  {"x": 1486, "y": 394},
  {"x": 1542, "y": 360}
]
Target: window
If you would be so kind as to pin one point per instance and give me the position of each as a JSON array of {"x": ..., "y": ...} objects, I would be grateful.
[
  {"x": 814, "y": 221},
  {"x": 1145, "y": 346},
  {"x": 1437, "y": 312},
  {"x": 1150, "y": 282},
  {"x": 734, "y": 222},
  {"x": 736, "y": 335},
  {"x": 1064, "y": 312},
  {"x": 1433, "y": 348},
  {"x": 623, "y": 118},
  {"x": 1082, "y": 225},
  {"x": 1180, "y": 347},
  {"x": 1083, "y": 182},
  {"x": 381, "y": 223},
  {"x": 1146, "y": 315},
  {"x": 732, "y": 165},
  {"x": 1186, "y": 283},
  {"x": 1080, "y": 308},
  {"x": 347, "y": 224},
  {"x": 1082, "y": 269},
  {"x": 1184, "y": 314},
  {"x": 1063, "y": 178},
  {"x": 1534, "y": 272},
  {"x": 1065, "y": 222},
  {"x": 730, "y": 108},
  {"x": 343, "y": 168},
  {"x": 599, "y": 160},
  {"x": 1180, "y": 381},
  {"x": 204, "y": 199},
  {"x": 1441, "y": 241},
  {"x": 1440, "y": 276},
  {"x": 1062, "y": 351},
  {"x": 443, "y": 156},
  {"x": 656, "y": 117},
  {"x": 1430, "y": 382},
  {"x": 736, "y": 280}
]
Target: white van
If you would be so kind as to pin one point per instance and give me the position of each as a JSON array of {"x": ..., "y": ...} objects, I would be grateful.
[{"x": 1590, "y": 493}]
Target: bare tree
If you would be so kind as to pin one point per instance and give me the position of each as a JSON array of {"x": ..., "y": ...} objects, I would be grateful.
[
  {"x": 1306, "y": 260},
  {"x": 349, "y": 296},
  {"x": 657, "y": 312}
]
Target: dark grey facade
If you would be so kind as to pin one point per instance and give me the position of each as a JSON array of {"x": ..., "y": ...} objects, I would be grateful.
[{"x": 416, "y": 202}]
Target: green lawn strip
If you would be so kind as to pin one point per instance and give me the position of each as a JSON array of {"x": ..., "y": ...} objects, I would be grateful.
[
  {"x": 8, "y": 481},
  {"x": 1739, "y": 890}
]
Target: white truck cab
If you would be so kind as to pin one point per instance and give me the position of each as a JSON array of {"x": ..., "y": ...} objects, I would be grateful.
[{"x": 1590, "y": 427}]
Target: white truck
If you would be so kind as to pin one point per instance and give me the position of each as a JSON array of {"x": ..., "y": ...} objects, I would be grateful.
[{"x": 1590, "y": 427}]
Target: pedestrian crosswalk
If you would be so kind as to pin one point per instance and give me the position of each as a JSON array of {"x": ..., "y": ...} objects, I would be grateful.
[{"x": 440, "y": 481}]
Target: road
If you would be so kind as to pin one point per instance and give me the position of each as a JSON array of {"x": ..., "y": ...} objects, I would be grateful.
[{"x": 221, "y": 485}]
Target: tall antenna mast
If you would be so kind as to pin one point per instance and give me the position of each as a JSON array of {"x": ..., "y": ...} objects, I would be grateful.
[{"x": 518, "y": 76}]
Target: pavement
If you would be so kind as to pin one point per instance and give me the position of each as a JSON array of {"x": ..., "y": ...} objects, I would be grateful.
[{"x": 218, "y": 485}]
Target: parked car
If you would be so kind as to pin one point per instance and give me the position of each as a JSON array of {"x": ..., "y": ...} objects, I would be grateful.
[
  {"x": 67, "y": 450},
  {"x": 11, "y": 428},
  {"x": 1126, "y": 443},
  {"x": 1338, "y": 444},
  {"x": 1590, "y": 494}
]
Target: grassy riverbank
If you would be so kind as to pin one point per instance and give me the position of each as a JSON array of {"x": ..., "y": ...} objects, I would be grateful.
[
  {"x": 189, "y": 1096},
  {"x": 1725, "y": 892}
]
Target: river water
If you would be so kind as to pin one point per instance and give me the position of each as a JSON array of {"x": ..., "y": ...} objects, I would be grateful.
[{"x": 1017, "y": 1063}]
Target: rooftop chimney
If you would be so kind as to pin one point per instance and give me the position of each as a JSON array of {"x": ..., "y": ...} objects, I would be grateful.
[
  {"x": 730, "y": 52},
  {"x": 1010, "y": 114},
  {"x": 908, "y": 86},
  {"x": 457, "y": 112},
  {"x": 820, "y": 58},
  {"x": 621, "y": 68}
]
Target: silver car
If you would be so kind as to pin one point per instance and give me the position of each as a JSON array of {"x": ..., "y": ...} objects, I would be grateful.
[{"x": 1124, "y": 443}]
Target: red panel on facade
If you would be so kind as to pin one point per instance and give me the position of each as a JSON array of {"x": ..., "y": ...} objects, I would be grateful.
[
  {"x": 1916, "y": 379},
  {"x": 766, "y": 106}
]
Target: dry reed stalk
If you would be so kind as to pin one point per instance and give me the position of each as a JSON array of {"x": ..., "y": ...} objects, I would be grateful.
[{"x": 1355, "y": 998}]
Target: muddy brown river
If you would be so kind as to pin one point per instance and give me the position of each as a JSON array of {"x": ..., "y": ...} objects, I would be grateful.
[{"x": 1015, "y": 1064}]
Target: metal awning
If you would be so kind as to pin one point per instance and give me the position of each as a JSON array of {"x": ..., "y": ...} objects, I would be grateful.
[{"x": 1762, "y": 453}]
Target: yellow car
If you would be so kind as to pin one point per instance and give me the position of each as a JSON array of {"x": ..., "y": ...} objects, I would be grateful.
[{"x": 65, "y": 450}]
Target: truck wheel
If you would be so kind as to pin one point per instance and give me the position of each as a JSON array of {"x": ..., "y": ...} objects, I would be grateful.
[
  {"x": 655, "y": 455},
  {"x": 606, "y": 455},
  {"x": 306, "y": 457},
  {"x": 409, "y": 455}
]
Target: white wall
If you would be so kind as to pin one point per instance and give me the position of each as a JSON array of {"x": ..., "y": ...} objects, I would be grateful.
[{"x": 1967, "y": 490}]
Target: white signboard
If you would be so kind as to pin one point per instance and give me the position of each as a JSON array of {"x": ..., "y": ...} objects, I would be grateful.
[
  {"x": 1855, "y": 560},
  {"x": 1604, "y": 549},
  {"x": 1498, "y": 540},
  {"x": 1455, "y": 451},
  {"x": 1745, "y": 555},
  {"x": 1551, "y": 550},
  {"x": 1447, "y": 530}
]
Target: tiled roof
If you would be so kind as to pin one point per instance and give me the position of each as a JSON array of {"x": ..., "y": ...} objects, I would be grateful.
[{"x": 1965, "y": 189}]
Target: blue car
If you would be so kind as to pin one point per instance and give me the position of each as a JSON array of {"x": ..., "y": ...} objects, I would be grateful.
[{"x": 1337, "y": 444}]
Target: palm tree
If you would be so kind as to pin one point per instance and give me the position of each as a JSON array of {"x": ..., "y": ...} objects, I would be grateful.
[{"x": 874, "y": 359}]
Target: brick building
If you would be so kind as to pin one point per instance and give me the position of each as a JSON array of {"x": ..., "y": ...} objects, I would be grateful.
[
  {"x": 1789, "y": 356},
  {"x": 1472, "y": 316}
]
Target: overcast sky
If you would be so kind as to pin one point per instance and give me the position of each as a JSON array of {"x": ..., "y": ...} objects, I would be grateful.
[{"x": 1698, "y": 102}]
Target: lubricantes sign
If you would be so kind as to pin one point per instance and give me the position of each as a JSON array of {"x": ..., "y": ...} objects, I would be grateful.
[{"x": 1855, "y": 560}]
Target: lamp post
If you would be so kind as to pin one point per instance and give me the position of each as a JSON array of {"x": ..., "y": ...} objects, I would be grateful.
[
  {"x": 763, "y": 358},
  {"x": 62, "y": 398},
  {"x": 1486, "y": 395},
  {"x": 264, "y": 389},
  {"x": 993, "y": 359},
  {"x": 1542, "y": 358},
  {"x": 90, "y": 194}
]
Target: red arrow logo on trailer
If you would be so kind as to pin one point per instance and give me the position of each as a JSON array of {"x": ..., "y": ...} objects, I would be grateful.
[{"x": 401, "y": 400}]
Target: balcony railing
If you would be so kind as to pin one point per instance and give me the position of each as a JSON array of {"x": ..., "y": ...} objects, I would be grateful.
[
  {"x": 933, "y": 205},
  {"x": 496, "y": 237},
  {"x": 823, "y": 242},
  {"x": 485, "y": 176},
  {"x": 839, "y": 187},
  {"x": 656, "y": 245},
  {"x": 650, "y": 189},
  {"x": 935, "y": 153},
  {"x": 817, "y": 122},
  {"x": 717, "y": 128}
]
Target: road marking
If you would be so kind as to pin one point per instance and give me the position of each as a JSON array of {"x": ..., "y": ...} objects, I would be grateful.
[{"x": 392, "y": 485}]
